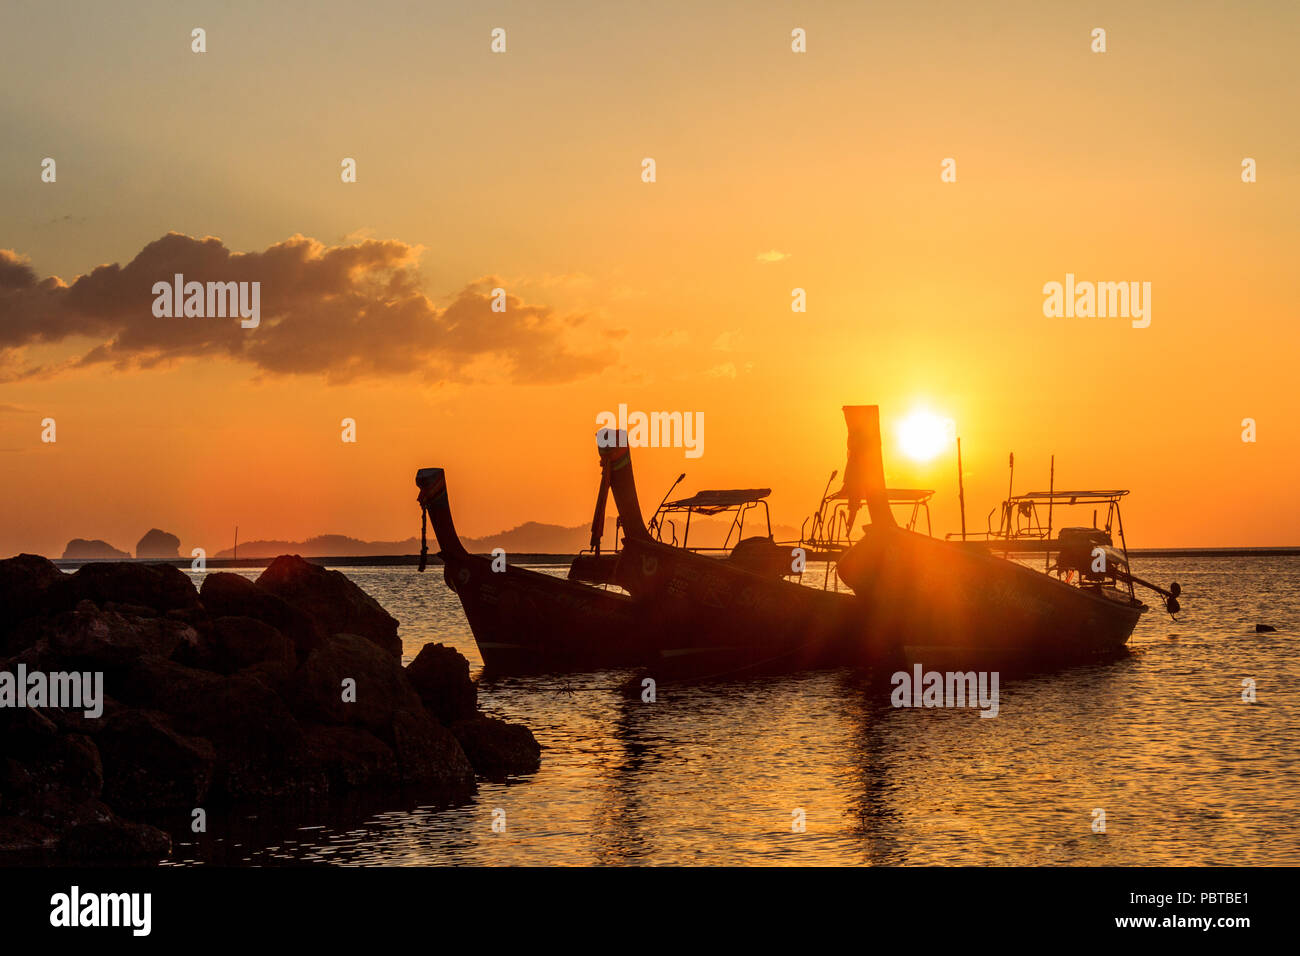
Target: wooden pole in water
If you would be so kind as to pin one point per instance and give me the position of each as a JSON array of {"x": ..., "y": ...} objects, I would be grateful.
[
  {"x": 961, "y": 491},
  {"x": 236, "y": 542}
]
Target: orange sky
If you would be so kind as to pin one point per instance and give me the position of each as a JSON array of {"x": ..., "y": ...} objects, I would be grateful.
[{"x": 524, "y": 169}]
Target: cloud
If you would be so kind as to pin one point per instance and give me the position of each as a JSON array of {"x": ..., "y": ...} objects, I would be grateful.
[
  {"x": 343, "y": 312},
  {"x": 772, "y": 255}
]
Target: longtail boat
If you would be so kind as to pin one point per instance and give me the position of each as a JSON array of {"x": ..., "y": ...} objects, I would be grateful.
[
  {"x": 525, "y": 620},
  {"x": 965, "y": 599},
  {"x": 727, "y": 613}
]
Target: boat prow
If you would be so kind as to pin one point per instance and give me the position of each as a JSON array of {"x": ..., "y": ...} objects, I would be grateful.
[{"x": 524, "y": 620}]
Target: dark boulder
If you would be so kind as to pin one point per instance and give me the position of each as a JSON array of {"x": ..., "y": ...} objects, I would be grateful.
[
  {"x": 260, "y": 748},
  {"x": 114, "y": 839},
  {"x": 74, "y": 763},
  {"x": 385, "y": 705},
  {"x": 149, "y": 766},
  {"x": 232, "y": 595},
  {"x": 158, "y": 545},
  {"x": 93, "y": 637},
  {"x": 336, "y": 604},
  {"x": 350, "y": 757},
  {"x": 26, "y": 732},
  {"x": 38, "y": 760},
  {"x": 498, "y": 749},
  {"x": 276, "y": 676},
  {"x": 440, "y": 675},
  {"x": 24, "y": 584},
  {"x": 158, "y": 586},
  {"x": 21, "y": 836},
  {"x": 160, "y": 684},
  {"x": 239, "y": 642},
  {"x": 381, "y": 687},
  {"x": 429, "y": 755}
]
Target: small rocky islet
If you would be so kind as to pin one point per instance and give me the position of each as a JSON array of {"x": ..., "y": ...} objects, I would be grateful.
[{"x": 287, "y": 687}]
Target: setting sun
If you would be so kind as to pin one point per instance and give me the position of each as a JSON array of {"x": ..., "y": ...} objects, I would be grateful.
[{"x": 923, "y": 435}]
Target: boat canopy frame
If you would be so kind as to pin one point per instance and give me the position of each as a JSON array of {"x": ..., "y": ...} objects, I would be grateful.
[
  {"x": 1021, "y": 528},
  {"x": 1019, "y": 520},
  {"x": 827, "y": 534},
  {"x": 825, "y": 531},
  {"x": 738, "y": 502}
]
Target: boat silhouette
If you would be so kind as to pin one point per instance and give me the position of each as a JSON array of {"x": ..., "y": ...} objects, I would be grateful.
[{"x": 664, "y": 605}]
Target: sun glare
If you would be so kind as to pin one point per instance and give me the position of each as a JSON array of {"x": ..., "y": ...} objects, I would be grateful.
[{"x": 924, "y": 435}]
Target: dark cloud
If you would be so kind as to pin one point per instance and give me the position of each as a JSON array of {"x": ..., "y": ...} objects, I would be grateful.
[{"x": 343, "y": 312}]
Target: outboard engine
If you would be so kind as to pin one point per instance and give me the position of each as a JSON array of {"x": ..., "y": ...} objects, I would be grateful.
[{"x": 1076, "y": 554}]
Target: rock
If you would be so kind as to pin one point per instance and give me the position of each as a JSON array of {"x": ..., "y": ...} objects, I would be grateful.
[
  {"x": 229, "y": 693},
  {"x": 386, "y": 706},
  {"x": 158, "y": 545},
  {"x": 428, "y": 754},
  {"x": 440, "y": 675},
  {"x": 26, "y": 732},
  {"x": 16, "y": 782},
  {"x": 1264, "y": 628},
  {"x": 239, "y": 642},
  {"x": 96, "y": 638},
  {"x": 24, "y": 584},
  {"x": 498, "y": 749},
  {"x": 38, "y": 760},
  {"x": 260, "y": 748},
  {"x": 59, "y": 809},
  {"x": 160, "y": 684},
  {"x": 233, "y": 595},
  {"x": 382, "y": 689},
  {"x": 336, "y": 604},
  {"x": 350, "y": 756},
  {"x": 158, "y": 586},
  {"x": 18, "y": 835},
  {"x": 74, "y": 763},
  {"x": 115, "y": 839},
  {"x": 149, "y": 766},
  {"x": 81, "y": 549},
  {"x": 276, "y": 676},
  {"x": 259, "y": 745}
]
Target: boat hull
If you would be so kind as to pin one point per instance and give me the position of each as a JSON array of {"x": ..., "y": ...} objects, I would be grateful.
[
  {"x": 712, "y": 614},
  {"x": 961, "y": 602},
  {"x": 526, "y": 621}
]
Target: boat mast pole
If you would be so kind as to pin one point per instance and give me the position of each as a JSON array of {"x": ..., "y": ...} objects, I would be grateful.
[
  {"x": 961, "y": 491},
  {"x": 1051, "y": 487},
  {"x": 1007, "y": 515}
]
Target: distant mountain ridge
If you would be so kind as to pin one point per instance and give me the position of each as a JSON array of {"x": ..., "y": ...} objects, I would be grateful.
[{"x": 531, "y": 537}]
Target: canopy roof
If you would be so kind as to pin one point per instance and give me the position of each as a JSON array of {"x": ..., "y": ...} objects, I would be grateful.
[
  {"x": 717, "y": 500},
  {"x": 896, "y": 494},
  {"x": 909, "y": 494},
  {"x": 1107, "y": 495}
]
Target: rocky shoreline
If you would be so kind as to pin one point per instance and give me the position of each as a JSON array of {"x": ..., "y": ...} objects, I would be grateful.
[{"x": 285, "y": 688}]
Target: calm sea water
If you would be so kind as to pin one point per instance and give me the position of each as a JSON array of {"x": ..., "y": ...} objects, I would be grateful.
[{"x": 1186, "y": 772}]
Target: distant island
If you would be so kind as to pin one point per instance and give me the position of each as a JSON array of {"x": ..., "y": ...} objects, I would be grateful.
[
  {"x": 531, "y": 537},
  {"x": 158, "y": 545},
  {"x": 81, "y": 549}
]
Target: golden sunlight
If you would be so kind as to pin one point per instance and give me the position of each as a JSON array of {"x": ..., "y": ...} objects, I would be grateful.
[{"x": 923, "y": 435}]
